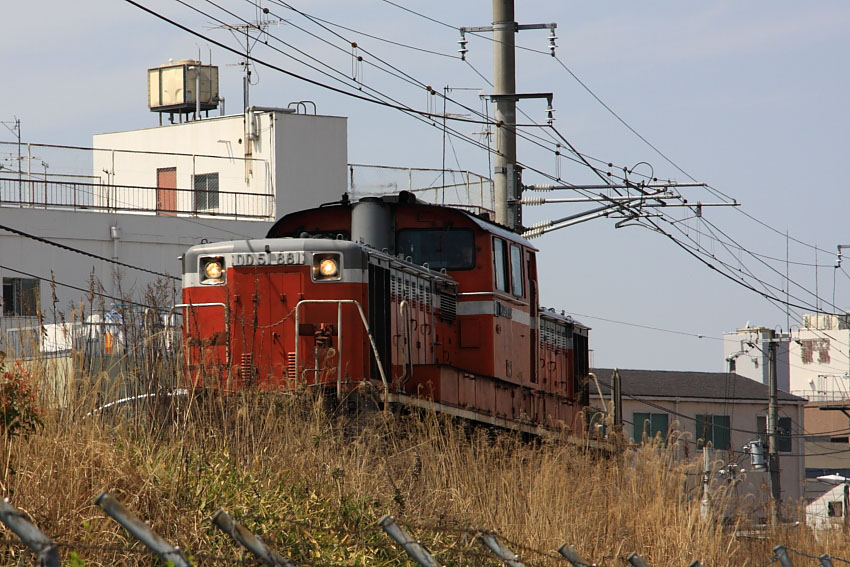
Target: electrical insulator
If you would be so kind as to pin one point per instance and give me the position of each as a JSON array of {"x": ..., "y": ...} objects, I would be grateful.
[
  {"x": 463, "y": 50},
  {"x": 552, "y": 46},
  {"x": 550, "y": 115}
]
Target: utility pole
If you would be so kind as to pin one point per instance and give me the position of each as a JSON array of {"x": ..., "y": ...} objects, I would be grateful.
[
  {"x": 772, "y": 421},
  {"x": 507, "y": 176},
  {"x": 504, "y": 86},
  {"x": 705, "y": 503}
]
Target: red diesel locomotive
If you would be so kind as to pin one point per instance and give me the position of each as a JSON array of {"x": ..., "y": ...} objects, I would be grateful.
[{"x": 403, "y": 301}]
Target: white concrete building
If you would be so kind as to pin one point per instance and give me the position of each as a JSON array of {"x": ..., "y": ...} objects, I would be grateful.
[
  {"x": 829, "y": 511},
  {"x": 820, "y": 358},
  {"x": 812, "y": 362},
  {"x": 746, "y": 353},
  {"x": 151, "y": 194},
  {"x": 260, "y": 164}
]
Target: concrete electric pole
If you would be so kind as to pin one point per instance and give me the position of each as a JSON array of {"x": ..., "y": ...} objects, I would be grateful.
[
  {"x": 507, "y": 178},
  {"x": 772, "y": 423},
  {"x": 504, "y": 86}
]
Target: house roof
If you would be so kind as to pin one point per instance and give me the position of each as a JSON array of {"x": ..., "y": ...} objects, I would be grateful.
[{"x": 680, "y": 384}]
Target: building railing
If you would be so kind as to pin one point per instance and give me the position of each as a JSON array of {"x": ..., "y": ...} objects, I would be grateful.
[
  {"x": 455, "y": 188},
  {"x": 823, "y": 396},
  {"x": 51, "y": 193}
]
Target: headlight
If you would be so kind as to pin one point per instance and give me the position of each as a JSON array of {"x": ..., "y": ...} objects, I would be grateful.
[
  {"x": 326, "y": 267},
  {"x": 212, "y": 270}
]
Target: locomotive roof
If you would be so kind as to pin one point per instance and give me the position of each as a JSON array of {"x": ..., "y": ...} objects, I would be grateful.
[{"x": 406, "y": 199}]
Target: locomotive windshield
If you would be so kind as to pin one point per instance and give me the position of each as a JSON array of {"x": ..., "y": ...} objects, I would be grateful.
[{"x": 452, "y": 249}]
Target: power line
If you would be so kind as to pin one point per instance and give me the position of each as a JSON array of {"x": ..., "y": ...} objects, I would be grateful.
[
  {"x": 83, "y": 252},
  {"x": 378, "y": 38},
  {"x": 649, "y": 327},
  {"x": 414, "y": 12},
  {"x": 613, "y": 113},
  {"x": 765, "y": 293},
  {"x": 84, "y": 290},
  {"x": 717, "y": 192},
  {"x": 291, "y": 73}
]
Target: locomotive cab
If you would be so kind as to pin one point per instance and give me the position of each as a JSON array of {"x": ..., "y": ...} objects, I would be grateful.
[{"x": 422, "y": 304}]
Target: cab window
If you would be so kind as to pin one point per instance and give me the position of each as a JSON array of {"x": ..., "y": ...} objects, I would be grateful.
[
  {"x": 500, "y": 264},
  {"x": 452, "y": 249},
  {"x": 516, "y": 271}
]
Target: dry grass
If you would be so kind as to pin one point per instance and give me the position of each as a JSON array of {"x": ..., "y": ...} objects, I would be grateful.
[{"x": 315, "y": 487}]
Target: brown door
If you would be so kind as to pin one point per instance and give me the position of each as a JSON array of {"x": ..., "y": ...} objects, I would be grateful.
[{"x": 166, "y": 191}]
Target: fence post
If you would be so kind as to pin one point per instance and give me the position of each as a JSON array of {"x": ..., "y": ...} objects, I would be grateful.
[
  {"x": 574, "y": 558},
  {"x": 636, "y": 560},
  {"x": 223, "y": 521},
  {"x": 43, "y": 546},
  {"x": 142, "y": 532},
  {"x": 510, "y": 558},
  {"x": 413, "y": 548},
  {"x": 782, "y": 556}
]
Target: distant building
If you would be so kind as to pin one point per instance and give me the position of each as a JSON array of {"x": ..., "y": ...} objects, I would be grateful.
[
  {"x": 813, "y": 362},
  {"x": 829, "y": 509},
  {"x": 720, "y": 409},
  {"x": 745, "y": 353}
]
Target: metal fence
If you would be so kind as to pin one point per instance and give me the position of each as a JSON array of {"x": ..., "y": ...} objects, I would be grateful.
[{"x": 47, "y": 551}]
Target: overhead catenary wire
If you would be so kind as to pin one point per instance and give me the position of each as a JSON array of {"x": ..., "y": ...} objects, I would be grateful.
[
  {"x": 383, "y": 39},
  {"x": 431, "y": 116},
  {"x": 292, "y": 74},
  {"x": 615, "y": 114}
]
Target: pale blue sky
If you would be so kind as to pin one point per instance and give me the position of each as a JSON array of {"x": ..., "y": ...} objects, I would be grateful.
[{"x": 748, "y": 97}]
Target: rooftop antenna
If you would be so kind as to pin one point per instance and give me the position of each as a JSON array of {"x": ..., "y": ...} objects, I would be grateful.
[{"x": 243, "y": 32}]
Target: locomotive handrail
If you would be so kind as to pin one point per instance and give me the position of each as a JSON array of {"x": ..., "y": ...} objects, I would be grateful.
[
  {"x": 214, "y": 304},
  {"x": 339, "y": 303},
  {"x": 500, "y": 295},
  {"x": 408, "y": 370}
]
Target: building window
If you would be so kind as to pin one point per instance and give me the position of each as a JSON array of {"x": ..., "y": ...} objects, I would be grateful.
[
  {"x": 808, "y": 348},
  {"x": 835, "y": 509},
  {"x": 783, "y": 428},
  {"x": 20, "y": 297},
  {"x": 649, "y": 425},
  {"x": 714, "y": 430},
  {"x": 500, "y": 259},
  {"x": 206, "y": 191}
]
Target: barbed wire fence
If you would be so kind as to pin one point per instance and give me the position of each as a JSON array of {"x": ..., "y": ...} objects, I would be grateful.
[{"x": 47, "y": 551}]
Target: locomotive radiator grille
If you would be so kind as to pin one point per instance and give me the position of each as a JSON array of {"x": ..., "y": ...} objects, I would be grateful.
[
  {"x": 448, "y": 306},
  {"x": 246, "y": 367},
  {"x": 290, "y": 365}
]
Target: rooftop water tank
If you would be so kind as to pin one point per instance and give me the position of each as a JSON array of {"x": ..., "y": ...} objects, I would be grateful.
[{"x": 171, "y": 88}]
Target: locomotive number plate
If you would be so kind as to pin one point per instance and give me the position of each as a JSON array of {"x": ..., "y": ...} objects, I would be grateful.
[{"x": 268, "y": 259}]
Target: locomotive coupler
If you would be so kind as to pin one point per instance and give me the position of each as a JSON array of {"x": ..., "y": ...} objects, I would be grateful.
[{"x": 324, "y": 335}]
